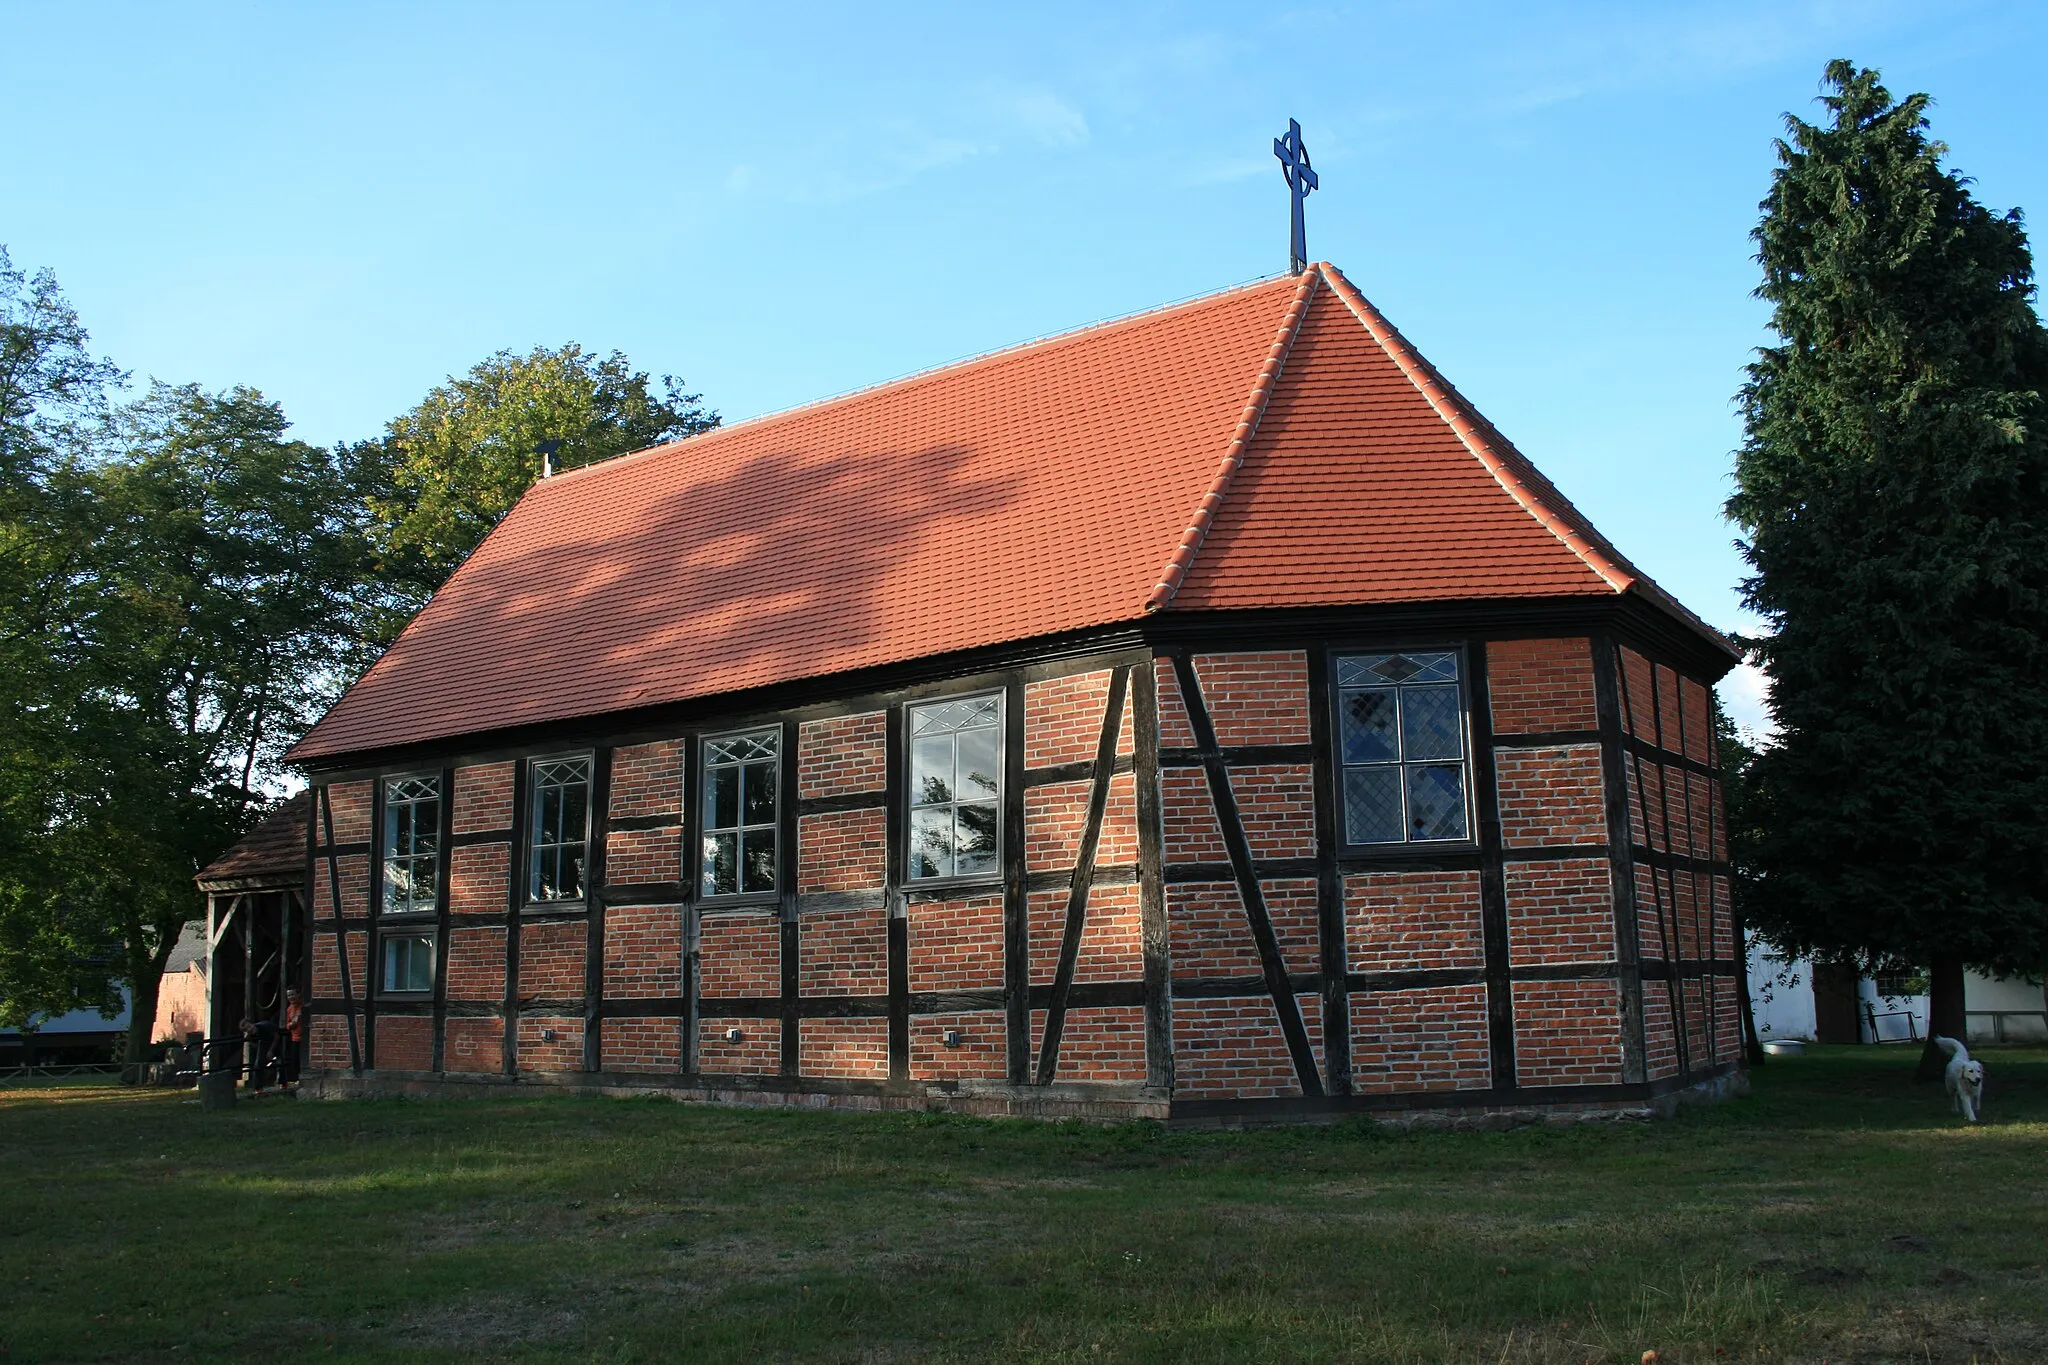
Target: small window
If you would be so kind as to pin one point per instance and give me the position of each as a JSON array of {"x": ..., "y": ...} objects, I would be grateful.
[
  {"x": 412, "y": 844},
  {"x": 1401, "y": 734},
  {"x": 956, "y": 764},
  {"x": 741, "y": 812},
  {"x": 561, "y": 829},
  {"x": 408, "y": 964}
]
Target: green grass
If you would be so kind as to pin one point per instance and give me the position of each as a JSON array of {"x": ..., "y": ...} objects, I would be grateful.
[{"x": 1840, "y": 1213}]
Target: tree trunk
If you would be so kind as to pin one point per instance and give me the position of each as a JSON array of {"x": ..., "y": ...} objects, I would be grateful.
[
  {"x": 1944, "y": 1014},
  {"x": 145, "y": 986}
]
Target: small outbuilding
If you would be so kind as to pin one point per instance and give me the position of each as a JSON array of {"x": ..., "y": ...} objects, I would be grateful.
[{"x": 1205, "y": 715}]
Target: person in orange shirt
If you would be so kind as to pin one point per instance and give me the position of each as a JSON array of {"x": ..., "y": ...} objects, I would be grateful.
[{"x": 295, "y": 1038}]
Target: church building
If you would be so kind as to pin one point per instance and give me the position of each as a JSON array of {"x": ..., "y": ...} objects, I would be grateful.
[{"x": 1204, "y": 716}]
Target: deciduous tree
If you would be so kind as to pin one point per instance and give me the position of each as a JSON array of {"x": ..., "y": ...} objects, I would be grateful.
[{"x": 446, "y": 472}]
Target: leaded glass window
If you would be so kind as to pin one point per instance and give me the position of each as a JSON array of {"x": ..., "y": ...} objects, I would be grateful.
[
  {"x": 412, "y": 844},
  {"x": 742, "y": 808},
  {"x": 956, "y": 764},
  {"x": 561, "y": 829},
  {"x": 1401, "y": 732},
  {"x": 408, "y": 963}
]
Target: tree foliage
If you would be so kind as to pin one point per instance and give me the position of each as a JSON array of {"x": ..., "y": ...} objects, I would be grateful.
[
  {"x": 184, "y": 588},
  {"x": 1893, "y": 492},
  {"x": 448, "y": 471}
]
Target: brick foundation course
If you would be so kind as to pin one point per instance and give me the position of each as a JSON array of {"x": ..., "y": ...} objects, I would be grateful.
[
  {"x": 853, "y": 1048},
  {"x": 405, "y": 1042},
  {"x": 1233, "y": 1048},
  {"x": 652, "y": 1045},
  {"x": 981, "y": 1049},
  {"x": 1567, "y": 1032},
  {"x": 756, "y": 1052},
  {"x": 1420, "y": 1040}
]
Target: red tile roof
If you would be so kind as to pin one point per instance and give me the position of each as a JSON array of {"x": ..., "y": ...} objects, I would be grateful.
[
  {"x": 276, "y": 848},
  {"x": 1273, "y": 445}
]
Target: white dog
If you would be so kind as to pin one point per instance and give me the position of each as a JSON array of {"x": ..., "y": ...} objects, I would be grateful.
[{"x": 1963, "y": 1078}]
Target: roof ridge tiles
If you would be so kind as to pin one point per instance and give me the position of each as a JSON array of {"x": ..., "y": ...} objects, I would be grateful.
[
  {"x": 1474, "y": 433},
  {"x": 912, "y": 378},
  {"x": 1183, "y": 556}
]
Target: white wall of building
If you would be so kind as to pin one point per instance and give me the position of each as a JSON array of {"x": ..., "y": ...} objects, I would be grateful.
[{"x": 1781, "y": 995}]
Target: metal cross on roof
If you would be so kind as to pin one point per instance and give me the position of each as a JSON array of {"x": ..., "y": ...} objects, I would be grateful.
[{"x": 1301, "y": 179}]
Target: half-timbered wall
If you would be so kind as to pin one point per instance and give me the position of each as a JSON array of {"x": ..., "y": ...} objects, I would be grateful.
[{"x": 1175, "y": 915}]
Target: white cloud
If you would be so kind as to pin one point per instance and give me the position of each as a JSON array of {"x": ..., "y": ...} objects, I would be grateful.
[
  {"x": 1038, "y": 114},
  {"x": 1743, "y": 694}
]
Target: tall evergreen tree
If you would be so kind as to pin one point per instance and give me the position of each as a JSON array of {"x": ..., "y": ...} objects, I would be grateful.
[{"x": 1893, "y": 491}]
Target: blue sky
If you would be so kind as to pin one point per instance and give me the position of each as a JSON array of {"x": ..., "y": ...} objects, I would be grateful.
[{"x": 342, "y": 205}]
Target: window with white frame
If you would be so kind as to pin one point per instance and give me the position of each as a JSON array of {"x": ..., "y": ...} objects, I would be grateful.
[
  {"x": 560, "y": 836},
  {"x": 956, "y": 765},
  {"x": 412, "y": 844},
  {"x": 1401, "y": 742},
  {"x": 741, "y": 811},
  {"x": 408, "y": 964}
]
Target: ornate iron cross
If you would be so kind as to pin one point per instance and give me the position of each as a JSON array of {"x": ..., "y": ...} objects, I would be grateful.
[{"x": 1301, "y": 179}]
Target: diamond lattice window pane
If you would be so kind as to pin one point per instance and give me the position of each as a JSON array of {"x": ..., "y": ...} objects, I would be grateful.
[
  {"x": 1372, "y": 805},
  {"x": 1396, "y": 668},
  {"x": 931, "y": 842},
  {"x": 944, "y": 717},
  {"x": 1356, "y": 671},
  {"x": 561, "y": 772},
  {"x": 1368, "y": 720},
  {"x": 741, "y": 748},
  {"x": 1436, "y": 801},
  {"x": 1435, "y": 667},
  {"x": 1430, "y": 723}
]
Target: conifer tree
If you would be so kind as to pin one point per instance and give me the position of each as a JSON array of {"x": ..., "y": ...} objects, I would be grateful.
[{"x": 1893, "y": 492}]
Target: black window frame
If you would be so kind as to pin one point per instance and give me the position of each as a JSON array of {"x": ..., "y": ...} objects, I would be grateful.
[
  {"x": 1405, "y": 847},
  {"x": 407, "y": 930},
  {"x": 701, "y": 831},
  {"x": 993, "y": 876},
  {"x": 416, "y": 914},
  {"x": 530, "y": 845}
]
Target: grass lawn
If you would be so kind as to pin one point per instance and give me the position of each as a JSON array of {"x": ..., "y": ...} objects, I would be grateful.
[{"x": 1841, "y": 1213}]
